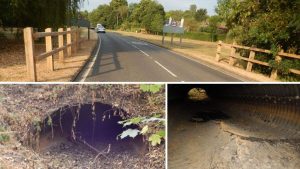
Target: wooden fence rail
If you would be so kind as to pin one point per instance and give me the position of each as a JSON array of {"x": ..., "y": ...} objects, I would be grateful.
[
  {"x": 72, "y": 44},
  {"x": 251, "y": 58}
]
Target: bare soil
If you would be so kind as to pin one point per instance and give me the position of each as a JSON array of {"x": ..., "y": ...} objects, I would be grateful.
[
  {"x": 206, "y": 145},
  {"x": 68, "y": 155}
]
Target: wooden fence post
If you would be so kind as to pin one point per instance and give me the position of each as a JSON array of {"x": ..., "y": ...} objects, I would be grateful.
[
  {"x": 163, "y": 39},
  {"x": 232, "y": 54},
  {"x": 275, "y": 71},
  {"x": 89, "y": 34},
  {"x": 48, "y": 40},
  {"x": 219, "y": 48},
  {"x": 74, "y": 34},
  {"x": 69, "y": 41},
  {"x": 78, "y": 39},
  {"x": 180, "y": 39},
  {"x": 29, "y": 54},
  {"x": 61, "y": 44},
  {"x": 251, "y": 58},
  {"x": 172, "y": 38}
]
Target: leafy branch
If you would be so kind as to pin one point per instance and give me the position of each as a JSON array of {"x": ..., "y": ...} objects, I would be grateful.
[
  {"x": 152, "y": 128},
  {"x": 152, "y": 88}
]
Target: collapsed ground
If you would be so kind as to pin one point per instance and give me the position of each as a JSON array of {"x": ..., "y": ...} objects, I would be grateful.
[{"x": 198, "y": 139}]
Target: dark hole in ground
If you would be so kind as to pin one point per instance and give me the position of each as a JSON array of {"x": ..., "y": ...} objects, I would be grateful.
[
  {"x": 207, "y": 115},
  {"x": 98, "y": 133},
  {"x": 202, "y": 108}
]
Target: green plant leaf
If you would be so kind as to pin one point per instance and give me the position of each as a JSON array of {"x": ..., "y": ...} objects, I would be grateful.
[
  {"x": 129, "y": 133},
  {"x": 136, "y": 120},
  {"x": 144, "y": 130},
  {"x": 155, "y": 139},
  {"x": 153, "y": 119},
  {"x": 151, "y": 88},
  {"x": 162, "y": 133},
  {"x": 127, "y": 124}
]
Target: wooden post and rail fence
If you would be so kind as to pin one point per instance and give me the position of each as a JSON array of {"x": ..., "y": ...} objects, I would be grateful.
[
  {"x": 71, "y": 46},
  {"x": 251, "y": 58}
]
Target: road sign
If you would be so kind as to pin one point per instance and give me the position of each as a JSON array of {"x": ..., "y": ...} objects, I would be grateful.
[
  {"x": 173, "y": 27},
  {"x": 80, "y": 23}
]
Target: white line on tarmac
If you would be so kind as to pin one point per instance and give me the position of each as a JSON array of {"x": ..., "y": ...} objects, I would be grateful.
[
  {"x": 91, "y": 64},
  {"x": 144, "y": 52},
  {"x": 141, "y": 50},
  {"x": 165, "y": 68}
]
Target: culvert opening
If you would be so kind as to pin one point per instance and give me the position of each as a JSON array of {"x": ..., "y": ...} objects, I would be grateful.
[
  {"x": 202, "y": 106},
  {"x": 91, "y": 126},
  {"x": 197, "y": 94}
]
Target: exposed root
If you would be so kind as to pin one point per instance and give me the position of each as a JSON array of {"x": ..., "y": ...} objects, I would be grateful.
[{"x": 102, "y": 153}]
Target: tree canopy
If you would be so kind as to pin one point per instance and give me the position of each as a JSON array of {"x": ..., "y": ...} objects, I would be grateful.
[
  {"x": 147, "y": 14},
  {"x": 266, "y": 24},
  {"x": 37, "y": 13}
]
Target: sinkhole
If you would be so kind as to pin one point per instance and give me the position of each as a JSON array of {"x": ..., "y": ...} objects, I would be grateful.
[{"x": 93, "y": 126}]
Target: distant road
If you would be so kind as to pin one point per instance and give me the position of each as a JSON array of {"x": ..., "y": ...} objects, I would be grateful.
[{"x": 126, "y": 59}]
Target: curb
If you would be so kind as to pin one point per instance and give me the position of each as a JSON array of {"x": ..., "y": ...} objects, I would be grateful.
[{"x": 75, "y": 77}]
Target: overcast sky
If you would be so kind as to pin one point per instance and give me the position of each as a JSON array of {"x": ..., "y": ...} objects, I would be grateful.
[{"x": 168, "y": 4}]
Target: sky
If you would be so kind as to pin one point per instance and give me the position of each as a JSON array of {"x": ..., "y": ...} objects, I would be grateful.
[{"x": 168, "y": 4}]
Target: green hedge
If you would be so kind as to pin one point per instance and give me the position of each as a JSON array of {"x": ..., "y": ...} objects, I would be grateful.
[{"x": 203, "y": 36}]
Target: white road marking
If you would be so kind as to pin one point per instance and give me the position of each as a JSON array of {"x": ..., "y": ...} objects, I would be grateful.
[
  {"x": 139, "y": 43},
  {"x": 144, "y": 52},
  {"x": 92, "y": 63},
  {"x": 209, "y": 65},
  {"x": 165, "y": 68},
  {"x": 141, "y": 51}
]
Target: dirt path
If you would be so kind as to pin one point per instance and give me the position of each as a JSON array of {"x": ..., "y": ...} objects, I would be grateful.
[{"x": 206, "y": 146}]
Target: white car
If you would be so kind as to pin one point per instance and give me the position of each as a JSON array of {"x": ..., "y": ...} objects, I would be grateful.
[{"x": 100, "y": 29}]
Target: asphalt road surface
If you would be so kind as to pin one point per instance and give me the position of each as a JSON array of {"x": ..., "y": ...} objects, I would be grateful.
[{"x": 125, "y": 59}]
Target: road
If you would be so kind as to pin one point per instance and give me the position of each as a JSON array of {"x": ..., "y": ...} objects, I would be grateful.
[{"x": 125, "y": 59}]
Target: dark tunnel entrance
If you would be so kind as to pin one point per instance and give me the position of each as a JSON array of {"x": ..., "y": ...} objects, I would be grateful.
[{"x": 93, "y": 126}]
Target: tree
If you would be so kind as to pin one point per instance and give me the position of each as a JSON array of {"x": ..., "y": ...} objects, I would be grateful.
[
  {"x": 265, "y": 24},
  {"x": 84, "y": 14},
  {"x": 157, "y": 23},
  {"x": 175, "y": 14},
  {"x": 115, "y": 4},
  {"x": 214, "y": 22},
  {"x": 122, "y": 11},
  {"x": 201, "y": 15},
  {"x": 145, "y": 11},
  {"x": 119, "y": 7},
  {"x": 193, "y": 9},
  {"x": 102, "y": 15},
  {"x": 38, "y": 13}
]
